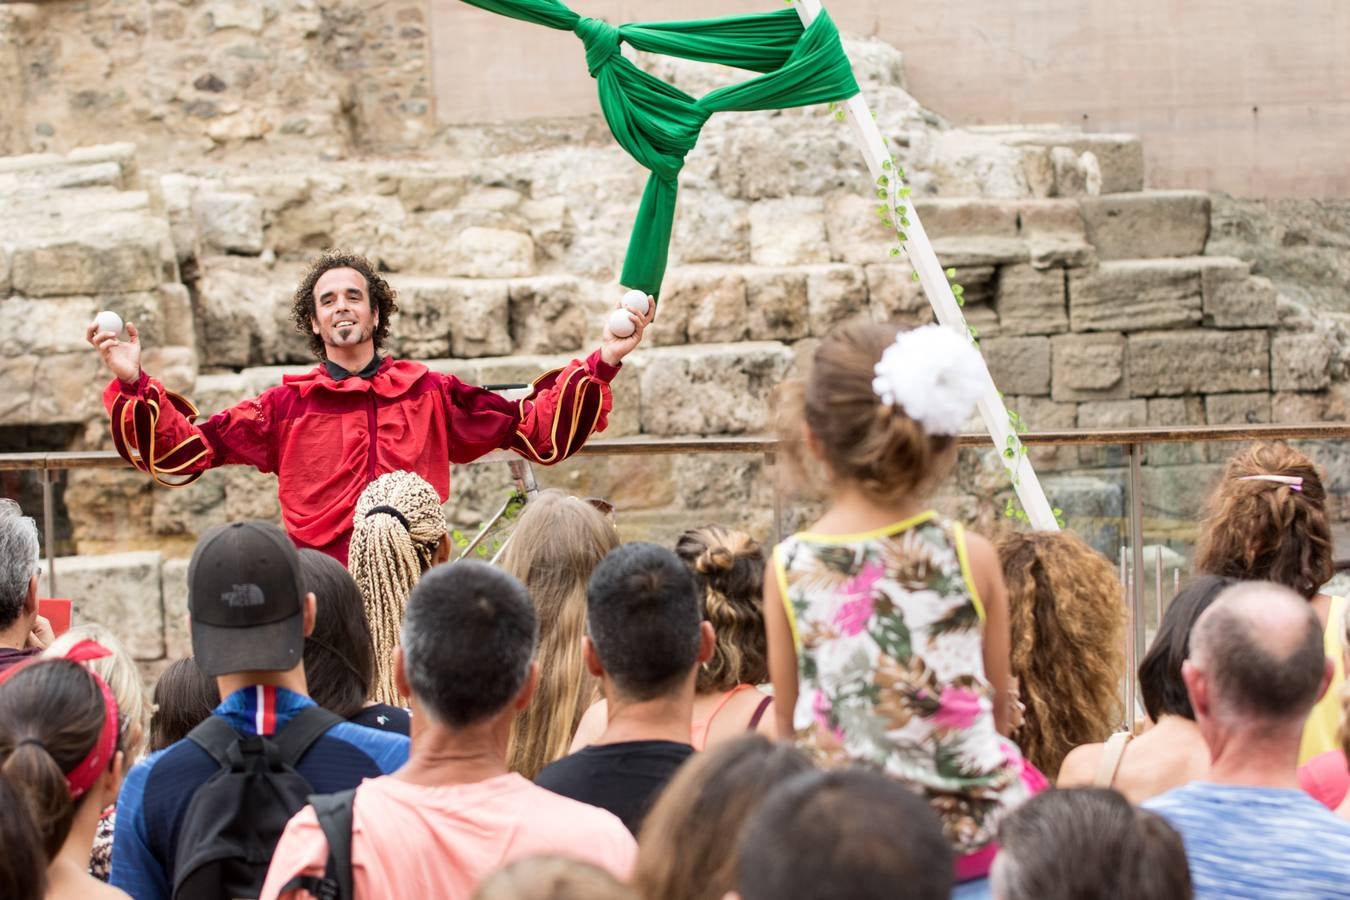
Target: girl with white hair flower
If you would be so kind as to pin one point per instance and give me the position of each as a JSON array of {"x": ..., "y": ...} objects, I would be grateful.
[{"x": 887, "y": 623}]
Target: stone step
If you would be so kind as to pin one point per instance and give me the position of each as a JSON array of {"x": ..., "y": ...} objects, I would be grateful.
[
  {"x": 1117, "y": 158},
  {"x": 1142, "y": 294},
  {"x": 1147, "y": 224}
]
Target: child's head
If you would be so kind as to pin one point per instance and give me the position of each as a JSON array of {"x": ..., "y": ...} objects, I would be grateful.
[
  {"x": 184, "y": 697},
  {"x": 882, "y": 405}
]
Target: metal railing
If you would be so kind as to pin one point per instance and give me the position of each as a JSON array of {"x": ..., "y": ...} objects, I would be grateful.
[{"x": 1131, "y": 440}]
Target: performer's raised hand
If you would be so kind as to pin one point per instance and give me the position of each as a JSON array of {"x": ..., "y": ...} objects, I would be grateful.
[
  {"x": 122, "y": 357},
  {"x": 615, "y": 346}
]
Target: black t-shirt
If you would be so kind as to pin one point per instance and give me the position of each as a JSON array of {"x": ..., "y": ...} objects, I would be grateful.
[
  {"x": 383, "y": 717},
  {"x": 623, "y": 778}
]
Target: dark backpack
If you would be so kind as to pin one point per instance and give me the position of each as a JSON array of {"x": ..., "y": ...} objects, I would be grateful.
[
  {"x": 234, "y": 820},
  {"x": 335, "y": 813}
]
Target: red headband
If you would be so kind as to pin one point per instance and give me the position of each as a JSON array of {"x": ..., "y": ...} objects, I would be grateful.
[{"x": 81, "y": 778}]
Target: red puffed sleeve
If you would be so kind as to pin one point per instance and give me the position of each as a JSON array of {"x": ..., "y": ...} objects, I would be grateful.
[
  {"x": 565, "y": 407},
  {"x": 153, "y": 429}
]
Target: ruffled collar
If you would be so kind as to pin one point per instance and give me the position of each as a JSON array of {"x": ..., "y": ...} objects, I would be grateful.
[{"x": 393, "y": 378}]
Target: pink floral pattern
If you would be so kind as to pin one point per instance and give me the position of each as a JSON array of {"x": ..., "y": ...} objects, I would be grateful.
[{"x": 891, "y": 670}]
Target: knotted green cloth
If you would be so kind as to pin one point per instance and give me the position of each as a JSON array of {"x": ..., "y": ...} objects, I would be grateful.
[{"x": 659, "y": 124}]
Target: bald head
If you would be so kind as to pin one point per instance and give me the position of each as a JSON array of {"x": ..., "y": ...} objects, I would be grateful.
[{"x": 1260, "y": 647}]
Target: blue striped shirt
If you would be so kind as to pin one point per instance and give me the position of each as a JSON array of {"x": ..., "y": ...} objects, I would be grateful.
[
  {"x": 1258, "y": 842},
  {"x": 157, "y": 791}
]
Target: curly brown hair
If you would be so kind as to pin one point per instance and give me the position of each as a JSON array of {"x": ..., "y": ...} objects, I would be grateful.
[
  {"x": 729, "y": 566},
  {"x": 1264, "y": 530},
  {"x": 382, "y": 296},
  {"x": 859, "y": 438},
  {"x": 1067, "y": 614}
]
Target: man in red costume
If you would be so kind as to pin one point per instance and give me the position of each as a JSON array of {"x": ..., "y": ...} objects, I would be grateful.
[{"x": 330, "y": 432}]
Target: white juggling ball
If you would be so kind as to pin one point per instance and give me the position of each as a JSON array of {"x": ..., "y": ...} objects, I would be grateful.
[
  {"x": 619, "y": 323},
  {"x": 108, "y": 321},
  {"x": 637, "y": 302}
]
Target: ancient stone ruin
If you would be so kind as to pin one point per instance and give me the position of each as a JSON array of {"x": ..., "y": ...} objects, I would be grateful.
[{"x": 251, "y": 140}]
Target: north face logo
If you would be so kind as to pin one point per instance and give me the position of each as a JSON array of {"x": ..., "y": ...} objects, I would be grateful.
[{"x": 243, "y": 595}]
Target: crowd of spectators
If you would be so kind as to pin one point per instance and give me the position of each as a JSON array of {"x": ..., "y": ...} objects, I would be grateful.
[{"x": 883, "y": 705}]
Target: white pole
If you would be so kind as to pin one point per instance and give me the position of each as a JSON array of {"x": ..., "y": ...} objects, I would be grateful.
[{"x": 940, "y": 296}]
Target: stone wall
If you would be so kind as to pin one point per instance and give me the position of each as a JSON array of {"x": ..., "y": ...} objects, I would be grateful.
[{"x": 1097, "y": 303}]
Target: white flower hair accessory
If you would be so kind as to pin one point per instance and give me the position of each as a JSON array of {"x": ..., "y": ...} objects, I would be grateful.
[{"x": 934, "y": 375}]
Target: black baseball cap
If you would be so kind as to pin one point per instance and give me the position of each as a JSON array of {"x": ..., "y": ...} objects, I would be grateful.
[{"x": 246, "y": 600}]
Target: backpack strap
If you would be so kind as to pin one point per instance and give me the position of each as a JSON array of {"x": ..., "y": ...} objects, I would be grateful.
[
  {"x": 335, "y": 813},
  {"x": 299, "y": 734},
  {"x": 216, "y": 736}
]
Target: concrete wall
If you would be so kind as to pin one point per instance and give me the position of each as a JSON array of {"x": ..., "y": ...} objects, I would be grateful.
[{"x": 1229, "y": 95}]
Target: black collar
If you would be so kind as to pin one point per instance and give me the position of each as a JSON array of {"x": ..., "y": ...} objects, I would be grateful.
[{"x": 337, "y": 373}]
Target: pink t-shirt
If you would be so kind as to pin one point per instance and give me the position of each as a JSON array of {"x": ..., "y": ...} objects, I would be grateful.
[
  {"x": 1326, "y": 778},
  {"x": 417, "y": 842}
]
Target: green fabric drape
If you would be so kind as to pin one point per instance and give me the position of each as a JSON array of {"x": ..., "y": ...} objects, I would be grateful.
[{"x": 659, "y": 124}]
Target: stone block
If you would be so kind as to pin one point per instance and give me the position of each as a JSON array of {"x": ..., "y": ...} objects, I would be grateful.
[
  {"x": 236, "y": 311},
  {"x": 834, "y": 294},
  {"x": 6, "y": 254},
  {"x": 1111, "y": 414},
  {"x": 962, "y": 217},
  {"x": 1043, "y": 414},
  {"x": 626, "y": 388},
  {"x": 1030, "y": 301},
  {"x": 1135, "y": 295},
  {"x": 894, "y": 296},
  {"x": 1298, "y": 409},
  {"x": 46, "y": 325},
  {"x": 120, "y": 591},
  {"x": 856, "y": 234},
  {"x": 421, "y": 329},
  {"x": 479, "y": 317},
  {"x": 788, "y": 232},
  {"x": 492, "y": 253},
  {"x": 425, "y": 191},
  {"x": 1174, "y": 496},
  {"x": 1094, "y": 508},
  {"x": 17, "y": 374},
  {"x": 1178, "y": 411},
  {"x": 1192, "y": 361},
  {"x": 710, "y": 388},
  {"x": 711, "y": 228},
  {"x": 776, "y": 304},
  {"x": 249, "y": 494},
  {"x": 229, "y": 222},
  {"x": 246, "y": 15},
  {"x": 175, "y": 305},
  {"x": 630, "y": 482},
  {"x": 190, "y": 510},
  {"x": 68, "y": 387},
  {"x": 719, "y": 315},
  {"x": 1120, "y": 157},
  {"x": 1232, "y": 298},
  {"x": 91, "y": 263},
  {"x": 1142, "y": 225},
  {"x": 177, "y": 637},
  {"x": 1055, "y": 234},
  {"x": 981, "y": 320},
  {"x": 1019, "y": 365},
  {"x": 547, "y": 315},
  {"x": 1089, "y": 367},
  {"x": 1237, "y": 409},
  {"x": 981, "y": 250},
  {"x": 175, "y": 366},
  {"x": 1300, "y": 362}
]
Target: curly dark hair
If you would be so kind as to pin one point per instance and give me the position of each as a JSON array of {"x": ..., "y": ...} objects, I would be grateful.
[{"x": 382, "y": 296}]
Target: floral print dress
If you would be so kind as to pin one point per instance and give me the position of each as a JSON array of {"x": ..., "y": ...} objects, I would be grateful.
[{"x": 888, "y": 628}]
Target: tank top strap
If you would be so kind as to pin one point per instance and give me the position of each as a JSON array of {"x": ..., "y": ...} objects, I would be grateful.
[
  {"x": 699, "y": 731},
  {"x": 1112, "y": 754}
]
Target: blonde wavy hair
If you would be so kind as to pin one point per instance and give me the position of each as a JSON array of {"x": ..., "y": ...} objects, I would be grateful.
[
  {"x": 119, "y": 672},
  {"x": 729, "y": 566},
  {"x": 396, "y": 531},
  {"x": 1267, "y": 531},
  {"x": 1067, "y": 613},
  {"x": 556, "y": 544}
]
